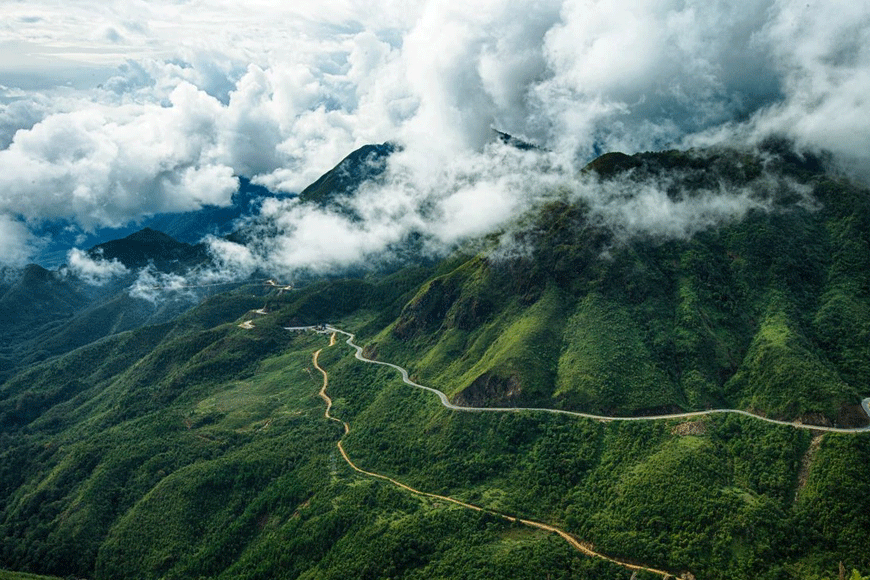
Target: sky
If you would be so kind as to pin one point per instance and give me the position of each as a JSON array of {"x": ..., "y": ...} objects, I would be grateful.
[{"x": 112, "y": 111}]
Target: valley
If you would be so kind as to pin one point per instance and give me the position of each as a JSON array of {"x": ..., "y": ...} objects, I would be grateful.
[
  {"x": 594, "y": 407},
  {"x": 431, "y": 290}
]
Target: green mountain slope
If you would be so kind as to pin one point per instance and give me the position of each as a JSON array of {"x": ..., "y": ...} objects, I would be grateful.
[
  {"x": 186, "y": 450},
  {"x": 767, "y": 313},
  {"x": 199, "y": 448},
  {"x": 366, "y": 163}
]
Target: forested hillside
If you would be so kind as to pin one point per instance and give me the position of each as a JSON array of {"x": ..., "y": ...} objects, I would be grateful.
[
  {"x": 198, "y": 447},
  {"x": 770, "y": 312}
]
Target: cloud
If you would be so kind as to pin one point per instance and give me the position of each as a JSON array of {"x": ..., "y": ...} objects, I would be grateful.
[
  {"x": 822, "y": 53},
  {"x": 17, "y": 115},
  {"x": 95, "y": 271},
  {"x": 641, "y": 75},
  {"x": 205, "y": 91},
  {"x": 441, "y": 207},
  {"x": 17, "y": 244},
  {"x": 103, "y": 167},
  {"x": 666, "y": 207},
  {"x": 155, "y": 286}
]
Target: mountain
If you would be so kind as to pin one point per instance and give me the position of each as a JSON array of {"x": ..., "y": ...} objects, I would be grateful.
[
  {"x": 149, "y": 246},
  {"x": 38, "y": 291},
  {"x": 189, "y": 227},
  {"x": 198, "y": 447},
  {"x": 192, "y": 226},
  {"x": 366, "y": 163},
  {"x": 34, "y": 305},
  {"x": 769, "y": 312},
  {"x": 48, "y": 313},
  {"x": 509, "y": 139}
]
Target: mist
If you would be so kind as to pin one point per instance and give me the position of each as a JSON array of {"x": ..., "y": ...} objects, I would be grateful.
[{"x": 281, "y": 94}]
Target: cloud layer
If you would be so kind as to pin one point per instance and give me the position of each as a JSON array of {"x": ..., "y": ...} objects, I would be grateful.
[
  {"x": 93, "y": 270},
  {"x": 163, "y": 103}
]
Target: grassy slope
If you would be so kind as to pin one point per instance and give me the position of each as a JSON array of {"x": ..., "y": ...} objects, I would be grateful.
[
  {"x": 771, "y": 313},
  {"x": 203, "y": 452},
  {"x": 721, "y": 503},
  {"x": 187, "y": 450},
  {"x": 199, "y": 449}
]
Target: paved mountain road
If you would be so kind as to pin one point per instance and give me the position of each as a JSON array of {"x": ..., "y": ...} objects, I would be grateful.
[
  {"x": 574, "y": 542},
  {"x": 446, "y": 402},
  {"x": 581, "y": 547}
]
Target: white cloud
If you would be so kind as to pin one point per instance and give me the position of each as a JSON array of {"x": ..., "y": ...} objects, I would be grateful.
[
  {"x": 155, "y": 286},
  {"x": 17, "y": 244},
  {"x": 104, "y": 166},
  {"x": 95, "y": 271},
  {"x": 444, "y": 205},
  {"x": 632, "y": 209},
  {"x": 193, "y": 93},
  {"x": 822, "y": 51}
]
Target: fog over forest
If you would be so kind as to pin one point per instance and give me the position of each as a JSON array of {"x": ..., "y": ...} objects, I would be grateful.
[{"x": 111, "y": 112}]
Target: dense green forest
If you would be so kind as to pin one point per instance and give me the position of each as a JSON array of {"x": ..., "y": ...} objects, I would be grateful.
[
  {"x": 770, "y": 312},
  {"x": 196, "y": 448}
]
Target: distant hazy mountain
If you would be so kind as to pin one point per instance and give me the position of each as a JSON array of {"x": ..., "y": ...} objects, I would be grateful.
[
  {"x": 189, "y": 227},
  {"x": 150, "y": 246},
  {"x": 45, "y": 313}
]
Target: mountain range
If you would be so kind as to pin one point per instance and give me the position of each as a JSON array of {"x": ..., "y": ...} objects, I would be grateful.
[
  {"x": 188, "y": 227},
  {"x": 186, "y": 438}
]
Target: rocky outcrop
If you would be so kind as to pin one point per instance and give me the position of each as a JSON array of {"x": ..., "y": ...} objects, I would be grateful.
[
  {"x": 690, "y": 428},
  {"x": 490, "y": 390}
]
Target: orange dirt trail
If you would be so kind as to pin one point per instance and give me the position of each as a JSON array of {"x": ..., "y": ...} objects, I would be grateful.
[{"x": 582, "y": 547}]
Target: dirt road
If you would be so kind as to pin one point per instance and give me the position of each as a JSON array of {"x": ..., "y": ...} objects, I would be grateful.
[{"x": 574, "y": 542}]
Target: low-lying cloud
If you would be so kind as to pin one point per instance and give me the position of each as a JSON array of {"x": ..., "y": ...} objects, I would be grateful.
[
  {"x": 154, "y": 286},
  {"x": 667, "y": 208},
  {"x": 17, "y": 244},
  {"x": 93, "y": 270},
  {"x": 446, "y": 205},
  {"x": 171, "y": 124}
]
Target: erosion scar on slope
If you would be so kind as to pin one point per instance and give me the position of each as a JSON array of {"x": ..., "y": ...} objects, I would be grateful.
[{"x": 581, "y": 547}]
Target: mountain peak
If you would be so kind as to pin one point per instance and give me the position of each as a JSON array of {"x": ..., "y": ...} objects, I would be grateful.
[
  {"x": 366, "y": 163},
  {"x": 150, "y": 235},
  {"x": 149, "y": 246}
]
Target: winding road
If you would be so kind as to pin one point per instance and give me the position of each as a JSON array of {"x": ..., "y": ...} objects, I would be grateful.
[
  {"x": 581, "y": 547},
  {"x": 446, "y": 402}
]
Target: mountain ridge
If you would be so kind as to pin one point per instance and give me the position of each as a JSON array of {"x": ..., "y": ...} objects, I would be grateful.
[
  {"x": 198, "y": 446},
  {"x": 149, "y": 246},
  {"x": 189, "y": 227}
]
